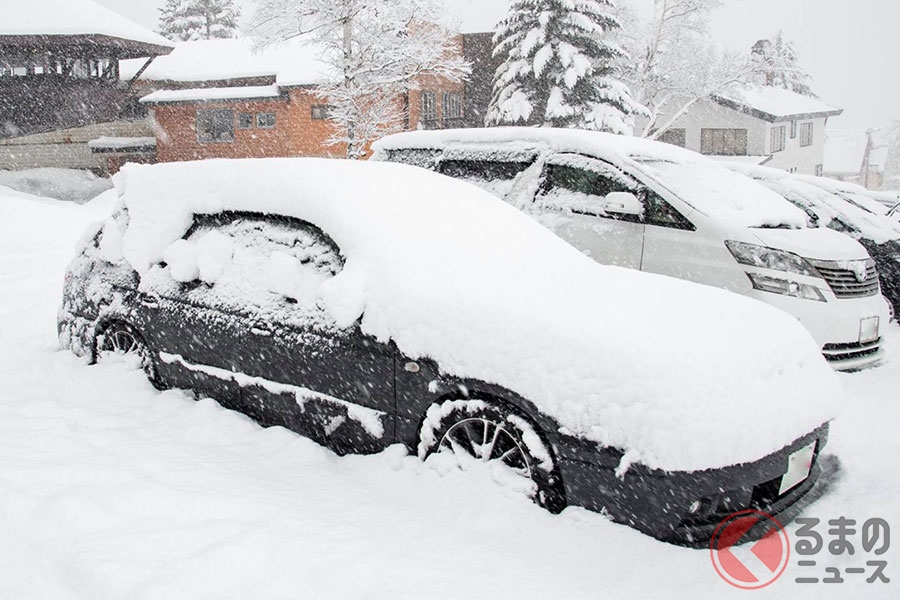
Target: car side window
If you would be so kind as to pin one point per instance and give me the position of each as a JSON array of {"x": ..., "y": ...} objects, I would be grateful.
[
  {"x": 580, "y": 186},
  {"x": 494, "y": 176},
  {"x": 244, "y": 263},
  {"x": 660, "y": 213}
]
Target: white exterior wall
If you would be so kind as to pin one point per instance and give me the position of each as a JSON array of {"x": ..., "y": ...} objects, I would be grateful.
[
  {"x": 805, "y": 159},
  {"x": 707, "y": 114}
]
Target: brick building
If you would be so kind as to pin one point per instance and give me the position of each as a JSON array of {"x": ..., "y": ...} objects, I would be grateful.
[{"x": 222, "y": 99}]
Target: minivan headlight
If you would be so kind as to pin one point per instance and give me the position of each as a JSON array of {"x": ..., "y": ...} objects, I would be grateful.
[
  {"x": 787, "y": 288},
  {"x": 769, "y": 258}
]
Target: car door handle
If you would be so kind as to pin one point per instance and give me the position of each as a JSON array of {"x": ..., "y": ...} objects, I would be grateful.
[
  {"x": 149, "y": 300},
  {"x": 260, "y": 329}
]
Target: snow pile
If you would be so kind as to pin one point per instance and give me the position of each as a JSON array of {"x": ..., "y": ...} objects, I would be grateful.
[
  {"x": 72, "y": 185},
  {"x": 851, "y": 192},
  {"x": 291, "y": 63},
  {"x": 662, "y": 368},
  {"x": 778, "y": 102},
  {"x": 831, "y": 210},
  {"x": 702, "y": 183},
  {"x": 72, "y": 17}
]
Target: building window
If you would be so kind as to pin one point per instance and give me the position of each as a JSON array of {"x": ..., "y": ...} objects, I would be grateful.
[
  {"x": 793, "y": 129},
  {"x": 216, "y": 125},
  {"x": 723, "y": 142},
  {"x": 806, "y": 134},
  {"x": 320, "y": 112},
  {"x": 429, "y": 106},
  {"x": 818, "y": 170},
  {"x": 452, "y": 106},
  {"x": 265, "y": 120},
  {"x": 776, "y": 139},
  {"x": 676, "y": 137},
  {"x": 245, "y": 120}
]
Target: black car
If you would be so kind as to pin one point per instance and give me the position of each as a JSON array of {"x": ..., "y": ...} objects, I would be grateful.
[{"x": 279, "y": 358}]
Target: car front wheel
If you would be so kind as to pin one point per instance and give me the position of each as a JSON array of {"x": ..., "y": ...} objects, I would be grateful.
[
  {"x": 487, "y": 432},
  {"x": 120, "y": 341}
]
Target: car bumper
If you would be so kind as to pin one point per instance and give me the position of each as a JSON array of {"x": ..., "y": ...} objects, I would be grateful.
[
  {"x": 685, "y": 507},
  {"x": 837, "y": 325}
]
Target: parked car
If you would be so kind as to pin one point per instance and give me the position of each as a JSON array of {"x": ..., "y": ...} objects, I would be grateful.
[
  {"x": 364, "y": 304},
  {"x": 658, "y": 208},
  {"x": 832, "y": 209}
]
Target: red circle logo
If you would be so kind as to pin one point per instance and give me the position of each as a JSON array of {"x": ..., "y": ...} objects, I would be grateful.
[{"x": 750, "y": 566}]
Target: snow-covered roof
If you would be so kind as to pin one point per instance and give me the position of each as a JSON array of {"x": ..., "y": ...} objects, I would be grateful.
[
  {"x": 212, "y": 94},
  {"x": 775, "y": 104},
  {"x": 660, "y": 367},
  {"x": 121, "y": 143},
  {"x": 703, "y": 184},
  {"x": 845, "y": 150},
  {"x": 291, "y": 63},
  {"x": 476, "y": 16},
  {"x": 73, "y": 18}
]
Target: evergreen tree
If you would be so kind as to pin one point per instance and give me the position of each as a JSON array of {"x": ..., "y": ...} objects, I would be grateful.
[
  {"x": 559, "y": 67},
  {"x": 775, "y": 65},
  {"x": 187, "y": 20}
]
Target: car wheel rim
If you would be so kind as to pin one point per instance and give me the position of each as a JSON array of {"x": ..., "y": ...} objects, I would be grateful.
[
  {"x": 487, "y": 441},
  {"x": 121, "y": 342}
]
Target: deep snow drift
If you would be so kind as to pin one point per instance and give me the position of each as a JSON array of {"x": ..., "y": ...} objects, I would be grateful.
[
  {"x": 110, "y": 489},
  {"x": 449, "y": 272}
]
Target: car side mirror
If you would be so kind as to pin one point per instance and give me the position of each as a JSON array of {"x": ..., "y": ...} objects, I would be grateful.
[{"x": 623, "y": 203}]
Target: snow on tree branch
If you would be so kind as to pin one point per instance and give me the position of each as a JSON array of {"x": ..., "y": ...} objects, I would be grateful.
[
  {"x": 377, "y": 50},
  {"x": 188, "y": 20}
]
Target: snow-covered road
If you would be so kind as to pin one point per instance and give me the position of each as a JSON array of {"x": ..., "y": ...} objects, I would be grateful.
[{"x": 110, "y": 489}]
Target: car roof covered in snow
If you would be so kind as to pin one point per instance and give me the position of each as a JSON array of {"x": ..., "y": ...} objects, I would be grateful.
[
  {"x": 72, "y": 19},
  {"x": 665, "y": 369},
  {"x": 702, "y": 183},
  {"x": 826, "y": 204}
]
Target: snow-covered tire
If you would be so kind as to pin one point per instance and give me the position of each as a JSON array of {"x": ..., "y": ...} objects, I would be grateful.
[
  {"x": 490, "y": 431},
  {"x": 120, "y": 338}
]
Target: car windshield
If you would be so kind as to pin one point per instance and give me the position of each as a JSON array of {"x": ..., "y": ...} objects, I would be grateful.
[{"x": 722, "y": 195}]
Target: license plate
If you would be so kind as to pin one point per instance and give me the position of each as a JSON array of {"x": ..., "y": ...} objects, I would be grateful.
[
  {"x": 868, "y": 330},
  {"x": 799, "y": 464}
]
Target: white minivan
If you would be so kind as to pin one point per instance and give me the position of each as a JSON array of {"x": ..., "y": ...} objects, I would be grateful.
[{"x": 651, "y": 206}]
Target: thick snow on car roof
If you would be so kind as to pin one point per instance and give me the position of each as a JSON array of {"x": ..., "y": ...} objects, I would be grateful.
[
  {"x": 827, "y": 205},
  {"x": 705, "y": 185},
  {"x": 681, "y": 376}
]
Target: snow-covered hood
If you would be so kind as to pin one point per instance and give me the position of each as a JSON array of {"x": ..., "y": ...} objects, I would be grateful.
[
  {"x": 681, "y": 376},
  {"x": 819, "y": 244}
]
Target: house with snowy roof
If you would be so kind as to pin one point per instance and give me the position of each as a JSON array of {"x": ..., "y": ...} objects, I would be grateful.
[
  {"x": 226, "y": 99},
  {"x": 762, "y": 125},
  {"x": 60, "y": 84}
]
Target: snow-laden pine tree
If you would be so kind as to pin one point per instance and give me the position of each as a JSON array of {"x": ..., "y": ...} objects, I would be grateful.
[
  {"x": 775, "y": 65},
  {"x": 376, "y": 50},
  {"x": 188, "y": 20},
  {"x": 559, "y": 67}
]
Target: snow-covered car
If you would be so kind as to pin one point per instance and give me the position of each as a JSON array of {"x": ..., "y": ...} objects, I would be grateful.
[
  {"x": 658, "y": 208},
  {"x": 366, "y": 304},
  {"x": 832, "y": 209}
]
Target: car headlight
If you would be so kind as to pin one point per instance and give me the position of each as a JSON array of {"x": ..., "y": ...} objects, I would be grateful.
[
  {"x": 769, "y": 258},
  {"x": 785, "y": 287}
]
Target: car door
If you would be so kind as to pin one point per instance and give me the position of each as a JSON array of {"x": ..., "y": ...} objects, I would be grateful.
[
  {"x": 295, "y": 366},
  {"x": 573, "y": 201}
]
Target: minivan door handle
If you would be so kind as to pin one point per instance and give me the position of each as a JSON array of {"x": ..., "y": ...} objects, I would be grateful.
[
  {"x": 260, "y": 329},
  {"x": 149, "y": 300}
]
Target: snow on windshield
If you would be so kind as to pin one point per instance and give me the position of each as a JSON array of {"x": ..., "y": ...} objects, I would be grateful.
[{"x": 659, "y": 367}]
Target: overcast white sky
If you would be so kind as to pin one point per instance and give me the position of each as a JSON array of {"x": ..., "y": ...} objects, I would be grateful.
[{"x": 850, "y": 47}]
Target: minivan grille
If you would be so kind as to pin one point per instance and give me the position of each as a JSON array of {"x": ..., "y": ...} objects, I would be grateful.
[
  {"x": 839, "y": 352},
  {"x": 844, "y": 282}
]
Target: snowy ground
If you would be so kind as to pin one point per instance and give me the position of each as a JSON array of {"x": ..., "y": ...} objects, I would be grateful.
[{"x": 110, "y": 489}]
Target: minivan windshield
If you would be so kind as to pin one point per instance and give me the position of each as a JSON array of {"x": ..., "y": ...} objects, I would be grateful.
[{"x": 722, "y": 195}]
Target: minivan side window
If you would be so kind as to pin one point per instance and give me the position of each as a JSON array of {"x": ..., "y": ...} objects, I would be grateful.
[
  {"x": 568, "y": 187},
  {"x": 494, "y": 176}
]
